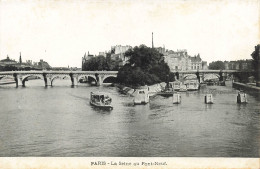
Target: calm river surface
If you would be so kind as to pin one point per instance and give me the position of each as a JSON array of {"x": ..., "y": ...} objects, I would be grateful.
[{"x": 58, "y": 121}]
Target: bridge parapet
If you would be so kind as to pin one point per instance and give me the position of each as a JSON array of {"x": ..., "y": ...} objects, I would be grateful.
[
  {"x": 205, "y": 71},
  {"x": 49, "y": 76}
]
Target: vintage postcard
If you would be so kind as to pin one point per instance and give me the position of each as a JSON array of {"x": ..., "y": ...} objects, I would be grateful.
[{"x": 129, "y": 84}]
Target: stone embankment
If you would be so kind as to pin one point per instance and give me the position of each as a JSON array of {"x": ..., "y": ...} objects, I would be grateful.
[
  {"x": 246, "y": 87},
  {"x": 152, "y": 89}
]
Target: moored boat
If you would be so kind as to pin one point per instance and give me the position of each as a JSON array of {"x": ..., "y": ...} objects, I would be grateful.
[
  {"x": 183, "y": 88},
  {"x": 241, "y": 97},
  {"x": 141, "y": 96},
  {"x": 167, "y": 91},
  {"x": 100, "y": 100},
  {"x": 175, "y": 85},
  {"x": 191, "y": 86}
]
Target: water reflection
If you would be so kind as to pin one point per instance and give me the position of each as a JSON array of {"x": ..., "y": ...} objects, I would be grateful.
[{"x": 58, "y": 121}]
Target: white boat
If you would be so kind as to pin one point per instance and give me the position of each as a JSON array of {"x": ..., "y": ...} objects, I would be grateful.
[
  {"x": 100, "y": 100},
  {"x": 167, "y": 91},
  {"x": 191, "y": 86},
  {"x": 209, "y": 99},
  {"x": 183, "y": 88},
  {"x": 141, "y": 96},
  {"x": 241, "y": 97},
  {"x": 175, "y": 85}
]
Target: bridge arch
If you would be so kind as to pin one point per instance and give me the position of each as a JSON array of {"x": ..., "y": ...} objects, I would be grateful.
[
  {"x": 61, "y": 77},
  {"x": 108, "y": 76},
  {"x": 82, "y": 76},
  {"x": 6, "y": 77},
  {"x": 25, "y": 77},
  {"x": 211, "y": 76},
  {"x": 190, "y": 76}
]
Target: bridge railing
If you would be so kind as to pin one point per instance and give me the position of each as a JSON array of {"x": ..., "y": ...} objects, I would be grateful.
[
  {"x": 206, "y": 71},
  {"x": 58, "y": 72}
]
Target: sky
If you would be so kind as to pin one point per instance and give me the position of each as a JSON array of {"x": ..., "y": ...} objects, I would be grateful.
[{"x": 61, "y": 31}]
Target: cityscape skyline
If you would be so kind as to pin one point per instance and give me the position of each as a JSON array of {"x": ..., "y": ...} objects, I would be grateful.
[{"x": 60, "y": 32}]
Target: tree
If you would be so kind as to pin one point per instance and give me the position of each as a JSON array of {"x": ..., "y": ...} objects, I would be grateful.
[
  {"x": 102, "y": 63},
  {"x": 96, "y": 63},
  {"x": 217, "y": 65},
  {"x": 146, "y": 66},
  {"x": 256, "y": 64},
  {"x": 255, "y": 55}
]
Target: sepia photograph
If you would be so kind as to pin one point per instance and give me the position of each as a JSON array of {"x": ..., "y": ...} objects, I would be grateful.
[{"x": 129, "y": 83}]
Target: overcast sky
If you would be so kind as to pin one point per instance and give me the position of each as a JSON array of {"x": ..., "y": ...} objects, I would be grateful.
[{"x": 61, "y": 31}]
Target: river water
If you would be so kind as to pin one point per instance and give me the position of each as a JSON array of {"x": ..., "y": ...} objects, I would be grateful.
[{"x": 58, "y": 121}]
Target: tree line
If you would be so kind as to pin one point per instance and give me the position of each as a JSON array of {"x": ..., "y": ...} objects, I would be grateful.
[{"x": 146, "y": 66}]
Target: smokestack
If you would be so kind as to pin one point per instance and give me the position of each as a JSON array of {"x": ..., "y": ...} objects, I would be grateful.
[{"x": 152, "y": 39}]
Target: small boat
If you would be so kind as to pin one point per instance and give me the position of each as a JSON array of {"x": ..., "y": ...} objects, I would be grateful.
[
  {"x": 167, "y": 92},
  {"x": 176, "y": 85},
  {"x": 141, "y": 96},
  {"x": 100, "y": 100},
  {"x": 192, "y": 86},
  {"x": 241, "y": 97},
  {"x": 208, "y": 99},
  {"x": 183, "y": 88}
]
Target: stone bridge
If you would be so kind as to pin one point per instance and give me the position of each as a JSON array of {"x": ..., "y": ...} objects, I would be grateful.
[
  {"x": 206, "y": 73},
  {"x": 48, "y": 77}
]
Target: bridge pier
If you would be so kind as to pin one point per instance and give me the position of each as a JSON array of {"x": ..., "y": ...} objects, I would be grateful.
[
  {"x": 47, "y": 79},
  {"x": 74, "y": 79},
  {"x": 47, "y": 82},
  {"x": 18, "y": 79},
  {"x": 225, "y": 75},
  {"x": 100, "y": 80},
  {"x": 201, "y": 78}
]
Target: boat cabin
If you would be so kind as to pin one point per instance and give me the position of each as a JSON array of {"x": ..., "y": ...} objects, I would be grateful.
[
  {"x": 192, "y": 86},
  {"x": 175, "y": 85},
  {"x": 100, "y": 100},
  {"x": 241, "y": 97},
  {"x": 141, "y": 96},
  {"x": 208, "y": 99}
]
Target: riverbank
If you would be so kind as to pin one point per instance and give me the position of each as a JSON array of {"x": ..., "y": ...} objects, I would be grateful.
[
  {"x": 246, "y": 87},
  {"x": 5, "y": 82},
  {"x": 153, "y": 89},
  {"x": 12, "y": 81}
]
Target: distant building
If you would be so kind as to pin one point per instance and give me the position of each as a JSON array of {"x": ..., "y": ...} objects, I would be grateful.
[
  {"x": 102, "y": 54},
  {"x": 180, "y": 61},
  {"x": 119, "y": 49},
  {"x": 7, "y": 61},
  {"x": 196, "y": 62},
  {"x": 43, "y": 65},
  {"x": 161, "y": 50},
  {"x": 238, "y": 65},
  {"x": 204, "y": 65},
  {"x": 28, "y": 65},
  {"x": 118, "y": 52},
  {"x": 85, "y": 58},
  {"x": 60, "y": 68}
]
